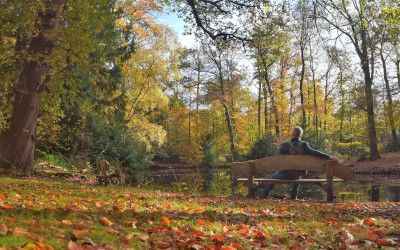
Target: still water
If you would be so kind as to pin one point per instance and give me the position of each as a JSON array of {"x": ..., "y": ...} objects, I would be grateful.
[{"x": 219, "y": 182}]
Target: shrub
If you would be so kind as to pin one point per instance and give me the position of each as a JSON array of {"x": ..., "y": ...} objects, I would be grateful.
[
  {"x": 356, "y": 150},
  {"x": 263, "y": 147}
]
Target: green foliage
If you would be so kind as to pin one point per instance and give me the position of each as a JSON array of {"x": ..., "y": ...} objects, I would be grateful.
[
  {"x": 53, "y": 159},
  {"x": 263, "y": 147},
  {"x": 208, "y": 148},
  {"x": 355, "y": 150},
  {"x": 316, "y": 142}
]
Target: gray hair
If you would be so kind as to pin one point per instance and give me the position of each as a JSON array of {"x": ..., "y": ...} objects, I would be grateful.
[{"x": 297, "y": 132}]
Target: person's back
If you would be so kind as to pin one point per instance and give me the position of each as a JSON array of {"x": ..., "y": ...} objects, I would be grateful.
[{"x": 295, "y": 147}]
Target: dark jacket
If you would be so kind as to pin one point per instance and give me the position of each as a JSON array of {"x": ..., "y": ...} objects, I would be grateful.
[{"x": 285, "y": 147}]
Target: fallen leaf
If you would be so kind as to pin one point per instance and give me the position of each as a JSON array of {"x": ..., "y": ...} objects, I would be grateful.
[
  {"x": 5, "y": 206},
  {"x": 36, "y": 246},
  {"x": 144, "y": 237},
  {"x": 370, "y": 222},
  {"x": 111, "y": 230},
  {"x": 20, "y": 232},
  {"x": 3, "y": 197},
  {"x": 73, "y": 246},
  {"x": 66, "y": 222},
  {"x": 165, "y": 221},
  {"x": 79, "y": 234},
  {"x": 105, "y": 221},
  {"x": 218, "y": 238},
  {"x": 3, "y": 229}
]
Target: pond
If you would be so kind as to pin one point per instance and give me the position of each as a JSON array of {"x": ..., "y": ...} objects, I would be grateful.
[{"x": 219, "y": 182}]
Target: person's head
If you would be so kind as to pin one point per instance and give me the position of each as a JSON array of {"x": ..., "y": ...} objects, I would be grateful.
[{"x": 297, "y": 132}]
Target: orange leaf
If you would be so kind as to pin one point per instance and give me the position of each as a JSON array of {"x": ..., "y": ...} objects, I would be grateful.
[
  {"x": 201, "y": 222},
  {"x": 20, "y": 232},
  {"x": 370, "y": 222},
  {"x": 73, "y": 246},
  {"x": 371, "y": 236},
  {"x": 5, "y": 206},
  {"x": 227, "y": 248},
  {"x": 3, "y": 229},
  {"x": 79, "y": 234},
  {"x": 105, "y": 221},
  {"x": 144, "y": 237},
  {"x": 383, "y": 242},
  {"x": 261, "y": 236},
  {"x": 165, "y": 221},
  {"x": 2, "y": 197},
  {"x": 332, "y": 223},
  {"x": 218, "y": 237},
  {"x": 66, "y": 222},
  {"x": 36, "y": 246}
]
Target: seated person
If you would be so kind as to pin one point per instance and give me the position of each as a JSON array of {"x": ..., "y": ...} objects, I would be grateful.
[{"x": 295, "y": 147}]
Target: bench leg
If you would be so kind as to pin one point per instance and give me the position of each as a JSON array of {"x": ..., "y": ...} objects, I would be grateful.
[
  {"x": 250, "y": 188},
  {"x": 329, "y": 183}
]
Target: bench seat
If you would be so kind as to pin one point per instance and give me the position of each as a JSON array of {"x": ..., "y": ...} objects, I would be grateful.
[
  {"x": 264, "y": 180},
  {"x": 251, "y": 171}
]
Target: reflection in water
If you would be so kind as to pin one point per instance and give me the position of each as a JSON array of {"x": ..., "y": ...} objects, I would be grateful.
[{"x": 219, "y": 182}]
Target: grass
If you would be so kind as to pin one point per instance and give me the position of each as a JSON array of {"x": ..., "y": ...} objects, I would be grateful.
[{"x": 58, "y": 214}]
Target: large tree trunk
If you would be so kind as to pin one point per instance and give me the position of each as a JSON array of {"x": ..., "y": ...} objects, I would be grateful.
[
  {"x": 259, "y": 107},
  {"x": 342, "y": 104},
  {"x": 230, "y": 131},
  {"x": 373, "y": 142},
  {"x": 390, "y": 103},
  {"x": 273, "y": 103},
  {"x": 265, "y": 92},
  {"x": 314, "y": 91},
  {"x": 19, "y": 140},
  {"x": 303, "y": 111},
  {"x": 397, "y": 62}
]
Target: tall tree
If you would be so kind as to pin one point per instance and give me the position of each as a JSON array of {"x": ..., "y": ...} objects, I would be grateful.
[
  {"x": 18, "y": 142},
  {"x": 353, "y": 19}
]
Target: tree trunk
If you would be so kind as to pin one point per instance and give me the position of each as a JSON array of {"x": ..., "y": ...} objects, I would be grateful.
[
  {"x": 303, "y": 111},
  {"x": 397, "y": 62},
  {"x": 19, "y": 141},
  {"x": 342, "y": 105},
  {"x": 265, "y": 92},
  {"x": 326, "y": 97},
  {"x": 314, "y": 91},
  {"x": 390, "y": 103},
  {"x": 230, "y": 131},
  {"x": 259, "y": 108},
  {"x": 274, "y": 107},
  {"x": 373, "y": 142}
]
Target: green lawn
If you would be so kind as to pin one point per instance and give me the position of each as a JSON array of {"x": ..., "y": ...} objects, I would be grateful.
[{"x": 55, "y": 215}]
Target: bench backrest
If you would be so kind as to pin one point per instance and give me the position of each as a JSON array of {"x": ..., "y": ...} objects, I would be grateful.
[{"x": 288, "y": 162}]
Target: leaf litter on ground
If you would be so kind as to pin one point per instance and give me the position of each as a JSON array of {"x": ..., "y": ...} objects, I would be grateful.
[{"x": 43, "y": 214}]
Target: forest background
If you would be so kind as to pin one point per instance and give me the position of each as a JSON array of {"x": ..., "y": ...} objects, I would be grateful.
[{"x": 88, "y": 81}]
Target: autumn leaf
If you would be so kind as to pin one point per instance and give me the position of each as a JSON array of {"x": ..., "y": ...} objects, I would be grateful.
[
  {"x": 66, "y": 222},
  {"x": 20, "y": 232},
  {"x": 144, "y": 237},
  {"x": 227, "y": 248},
  {"x": 261, "y": 236},
  {"x": 3, "y": 229},
  {"x": 201, "y": 222},
  {"x": 383, "y": 242},
  {"x": 79, "y": 234},
  {"x": 217, "y": 237},
  {"x": 165, "y": 221},
  {"x": 36, "y": 246},
  {"x": 5, "y": 206},
  {"x": 3, "y": 197},
  {"x": 73, "y": 246},
  {"x": 105, "y": 221},
  {"x": 370, "y": 222}
]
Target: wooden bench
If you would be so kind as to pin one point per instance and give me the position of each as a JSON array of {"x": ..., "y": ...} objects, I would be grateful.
[{"x": 249, "y": 171}]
